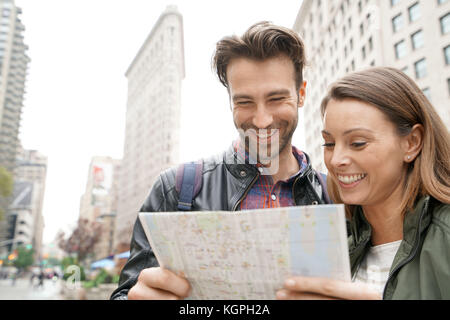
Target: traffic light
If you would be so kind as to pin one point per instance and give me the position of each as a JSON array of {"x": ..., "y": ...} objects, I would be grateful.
[{"x": 1, "y": 262}]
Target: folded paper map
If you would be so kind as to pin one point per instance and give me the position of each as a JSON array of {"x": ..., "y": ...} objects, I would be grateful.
[{"x": 249, "y": 254}]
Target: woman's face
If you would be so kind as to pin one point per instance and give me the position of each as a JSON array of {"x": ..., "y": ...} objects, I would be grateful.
[{"x": 363, "y": 153}]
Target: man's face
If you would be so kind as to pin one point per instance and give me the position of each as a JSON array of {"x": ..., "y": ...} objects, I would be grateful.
[{"x": 265, "y": 104}]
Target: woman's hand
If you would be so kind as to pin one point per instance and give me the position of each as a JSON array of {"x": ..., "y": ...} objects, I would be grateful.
[{"x": 308, "y": 288}]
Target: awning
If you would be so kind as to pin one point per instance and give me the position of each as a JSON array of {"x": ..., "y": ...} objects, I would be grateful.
[
  {"x": 104, "y": 263},
  {"x": 123, "y": 255}
]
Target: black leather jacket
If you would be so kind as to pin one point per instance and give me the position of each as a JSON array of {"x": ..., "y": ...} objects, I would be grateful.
[{"x": 225, "y": 184}]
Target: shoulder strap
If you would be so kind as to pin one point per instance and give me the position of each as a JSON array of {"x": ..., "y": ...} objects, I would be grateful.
[
  {"x": 188, "y": 183},
  {"x": 323, "y": 182}
]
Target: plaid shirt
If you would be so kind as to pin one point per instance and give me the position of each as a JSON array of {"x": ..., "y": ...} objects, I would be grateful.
[{"x": 264, "y": 193}]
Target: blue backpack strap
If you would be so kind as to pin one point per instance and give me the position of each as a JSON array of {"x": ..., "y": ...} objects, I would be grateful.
[
  {"x": 188, "y": 183},
  {"x": 323, "y": 182}
]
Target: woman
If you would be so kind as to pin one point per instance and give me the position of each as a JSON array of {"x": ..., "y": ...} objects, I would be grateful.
[{"x": 387, "y": 153}]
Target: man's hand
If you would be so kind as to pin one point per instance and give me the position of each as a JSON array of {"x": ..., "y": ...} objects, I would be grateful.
[
  {"x": 306, "y": 288},
  {"x": 159, "y": 284}
]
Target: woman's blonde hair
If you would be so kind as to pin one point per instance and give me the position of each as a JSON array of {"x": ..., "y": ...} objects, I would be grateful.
[{"x": 398, "y": 97}]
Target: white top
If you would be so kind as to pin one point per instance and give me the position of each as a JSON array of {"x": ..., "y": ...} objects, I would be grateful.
[{"x": 375, "y": 267}]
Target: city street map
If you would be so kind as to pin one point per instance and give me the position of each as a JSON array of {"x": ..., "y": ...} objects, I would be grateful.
[{"x": 249, "y": 254}]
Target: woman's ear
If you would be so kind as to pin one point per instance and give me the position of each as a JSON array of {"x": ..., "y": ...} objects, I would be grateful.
[{"x": 413, "y": 143}]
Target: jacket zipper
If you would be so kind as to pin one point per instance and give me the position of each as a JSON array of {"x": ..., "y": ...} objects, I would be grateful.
[
  {"x": 412, "y": 255},
  {"x": 246, "y": 191},
  {"x": 359, "y": 264}
]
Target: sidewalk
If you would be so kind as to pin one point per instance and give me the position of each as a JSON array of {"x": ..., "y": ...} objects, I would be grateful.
[{"x": 22, "y": 290}]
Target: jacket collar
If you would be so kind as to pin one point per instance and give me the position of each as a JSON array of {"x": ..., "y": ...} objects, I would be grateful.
[{"x": 414, "y": 224}]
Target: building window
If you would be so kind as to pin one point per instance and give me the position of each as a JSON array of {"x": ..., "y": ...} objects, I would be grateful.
[
  {"x": 427, "y": 93},
  {"x": 363, "y": 52},
  {"x": 448, "y": 85},
  {"x": 351, "y": 44},
  {"x": 447, "y": 54},
  {"x": 400, "y": 49},
  {"x": 420, "y": 68},
  {"x": 417, "y": 39},
  {"x": 394, "y": 2},
  {"x": 414, "y": 12},
  {"x": 397, "y": 22},
  {"x": 361, "y": 29},
  {"x": 370, "y": 44},
  {"x": 442, "y": 1},
  {"x": 445, "y": 23},
  {"x": 405, "y": 70}
]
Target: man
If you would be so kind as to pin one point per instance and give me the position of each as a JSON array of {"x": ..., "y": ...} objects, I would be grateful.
[{"x": 262, "y": 71}]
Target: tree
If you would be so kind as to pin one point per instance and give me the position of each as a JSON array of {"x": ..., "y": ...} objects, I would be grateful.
[
  {"x": 24, "y": 258},
  {"x": 82, "y": 240},
  {"x": 6, "y": 188}
]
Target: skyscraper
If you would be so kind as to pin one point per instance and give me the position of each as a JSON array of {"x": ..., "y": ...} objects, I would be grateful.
[
  {"x": 152, "y": 117},
  {"x": 13, "y": 68},
  {"x": 342, "y": 36}
]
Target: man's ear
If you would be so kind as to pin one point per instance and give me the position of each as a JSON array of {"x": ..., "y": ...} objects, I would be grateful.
[
  {"x": 302, "y": 94},
  {"x": 413, "y": 143}
]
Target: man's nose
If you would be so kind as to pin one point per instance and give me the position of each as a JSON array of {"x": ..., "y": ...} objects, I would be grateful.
[{"x": 262, "y": 118}]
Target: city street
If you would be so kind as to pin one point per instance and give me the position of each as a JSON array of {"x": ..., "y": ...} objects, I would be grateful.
[{"x": 22, "y": 290}]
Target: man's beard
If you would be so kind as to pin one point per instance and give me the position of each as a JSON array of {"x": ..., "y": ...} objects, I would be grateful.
[{"x": 263, "y": 152}]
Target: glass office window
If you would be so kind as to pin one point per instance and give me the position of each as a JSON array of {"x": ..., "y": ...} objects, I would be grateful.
[{"x": 417, "y": 39}]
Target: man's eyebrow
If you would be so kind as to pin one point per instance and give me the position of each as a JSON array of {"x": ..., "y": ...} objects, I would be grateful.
[
  {"x": 348, "y": 131},
  {"x": 270, "y": 94},
  {"x": 278, "y": 92},
  {"x": 241, "y": 96}
]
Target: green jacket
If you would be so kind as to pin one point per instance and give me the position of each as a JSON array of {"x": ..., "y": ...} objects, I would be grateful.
[{"x": 421, "y": 267}]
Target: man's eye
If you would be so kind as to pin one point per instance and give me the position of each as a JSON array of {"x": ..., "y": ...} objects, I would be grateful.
[
  {"x": 277, "y": 99},
  {"x": 243, "y": 103}
]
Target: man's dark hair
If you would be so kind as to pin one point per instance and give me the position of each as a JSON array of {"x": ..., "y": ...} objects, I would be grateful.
[{"x": 261, "y": 41}]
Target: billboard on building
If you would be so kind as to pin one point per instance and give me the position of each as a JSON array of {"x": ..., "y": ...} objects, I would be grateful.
[{"x": 102, "y": 176}]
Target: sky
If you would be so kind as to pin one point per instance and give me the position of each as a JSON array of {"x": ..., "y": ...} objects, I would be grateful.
[{"x": 76, "y": 90}]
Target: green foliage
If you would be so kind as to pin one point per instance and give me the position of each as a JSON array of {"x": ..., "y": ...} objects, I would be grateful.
[
  {"x": 6, "y": 188},
  {"x": 24, "y": 258},
  {"x": 116, "y": 278},
  {"x": 6, "y": 182},
  {"x": 89, "y": 284},
  {"x": 102, "y": 277},
  {"x": 69, "y": 261}
]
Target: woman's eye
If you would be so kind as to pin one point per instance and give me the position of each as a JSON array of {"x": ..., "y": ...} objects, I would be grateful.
[
  {"x": 328, "y": 145},
  {"x": 358, "y": 144}
]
